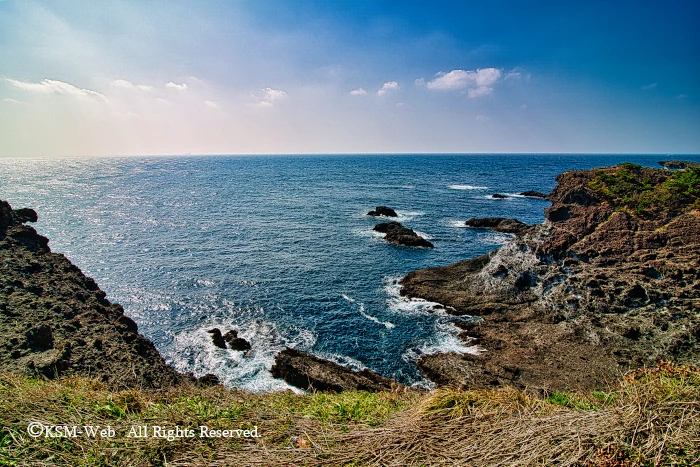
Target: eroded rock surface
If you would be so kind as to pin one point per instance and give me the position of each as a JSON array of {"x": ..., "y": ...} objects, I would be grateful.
[
  {"x": 311, "y": 373},
  {"x": 56, "y": 321},
  {"x": 608, "y": 282},
  {"x": 400, "y": 235},
  {"x": 498, "y": 224}
]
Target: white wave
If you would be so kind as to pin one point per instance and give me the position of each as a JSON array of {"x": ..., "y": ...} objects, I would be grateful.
[
  {"x": 496, "y": 238},
  {"x": 408, "y": 306},
  {"x": 467, "y": 187},
  {"x": 404, "y": 216},
  {"x": 193, "y": 351},
  {"x": 456, "y": 223},
  {"x": 342, "y": 360},
  {"x": 386, "y": 324},
  {"x": 371, "y": 233}
]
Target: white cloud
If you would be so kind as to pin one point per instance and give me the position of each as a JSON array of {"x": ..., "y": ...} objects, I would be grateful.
[
  {"x": 179, "y": 87},
  {"x": 50, "y": 86},
  {"x": 272, "y": 95},
  {"x": 479, "y": 92},
  {"x": 269, "y": 96},
  {"x": 650, "y": 86},
  {"x": 211, "y": 104},
  {"x": 358, "y": 92},
  {"x": 419, "y": 82},
  {"x": 388, "y": 86},
  {"x": 478, "y": 83},
  {"x": 482, "y": 118},
  {"x": 399, "y": 104},
  {"x": 11, "y": 101},
  {"x": 122, "y": 83}
]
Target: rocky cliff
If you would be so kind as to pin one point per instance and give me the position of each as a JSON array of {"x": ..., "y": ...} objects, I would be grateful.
[
  {"x": 56, "y": 321},
  {"x": 609, "y": 281}
]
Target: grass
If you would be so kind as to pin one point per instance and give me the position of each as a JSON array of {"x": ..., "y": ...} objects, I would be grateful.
[
  {"x": 651, "y": 417},
  {"x": 631, "y": 186}
]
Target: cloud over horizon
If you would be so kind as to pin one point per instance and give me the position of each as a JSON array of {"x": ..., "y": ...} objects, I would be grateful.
[
  {"x": 50, "y": 86},
  {"x": 478, "y": 83}
]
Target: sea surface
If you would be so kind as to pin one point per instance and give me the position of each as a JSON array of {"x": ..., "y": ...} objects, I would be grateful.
[{"x": 280, "y": 247}]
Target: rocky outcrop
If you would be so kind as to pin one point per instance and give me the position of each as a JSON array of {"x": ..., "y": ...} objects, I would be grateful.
[
  {"x": 498, "y": 196},
  {"x": 383, "y": 211},
  {"x": 311, "y": 373},
  {"x": 400, "y": 235},
  {"x": 534, "y": 194},
  {"x": 231, "y": 338},
  {"x": 609, "y": 281},
  {"x": 677, "y": 164},
  {"x": 498, "y": 224},
  {"x": 56, "y": 321}
]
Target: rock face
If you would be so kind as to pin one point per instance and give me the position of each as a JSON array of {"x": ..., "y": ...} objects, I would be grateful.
[
  {"x": 311, "y": 373},
  {"x": 56, "y": 321},
  {"x": 609, "y": 281},
  {"x": 499, "y": 224},
  {"x": 534, "y": 194},
  {"x": 400, "y": 235},
  {"x": 676, "y": 164},
  {"x": 383, "y": 211}
]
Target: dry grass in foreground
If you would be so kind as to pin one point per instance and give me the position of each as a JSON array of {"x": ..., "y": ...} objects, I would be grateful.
[{"x": 651, "y": 417}]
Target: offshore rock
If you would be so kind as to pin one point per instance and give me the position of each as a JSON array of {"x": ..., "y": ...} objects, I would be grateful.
[
  {"x": 400, "y": 235},
  {"x": 55, "y": 321},
  {"x": 610, "y": 281},
  {"x": 676, "y": 164},
  {"x": 498, "y": 196},
  {"x": 311, "y": 373},
  {"x": 534, "y": 194},
  {"x": 383, "y": 211},
  {"x": 499, "y": 224}
]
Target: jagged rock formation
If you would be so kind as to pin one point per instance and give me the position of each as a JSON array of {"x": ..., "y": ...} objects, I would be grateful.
[
  {"x": 56, "y": 321},
  {"x": 499, "y": 224},
  {"x": 609, "y": 281},
  {"x": 400, "y": 235},
  {"x": 383, "y": 211},
  {"x": 311, "y": 373}
]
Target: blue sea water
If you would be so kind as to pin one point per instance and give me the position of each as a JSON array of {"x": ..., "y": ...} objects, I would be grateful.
[{"x": 279, "y": 247}]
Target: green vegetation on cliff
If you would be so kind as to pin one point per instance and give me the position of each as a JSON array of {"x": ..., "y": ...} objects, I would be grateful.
[{"x": 646, "y": 191}]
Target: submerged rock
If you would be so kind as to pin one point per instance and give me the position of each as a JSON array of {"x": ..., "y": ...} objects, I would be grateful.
[
  {"x": 311, "y": 373},
  {"x": 400, "y": 235},
  {"x": 383, "y": 211},
  {"x": 499, "y": 224}
]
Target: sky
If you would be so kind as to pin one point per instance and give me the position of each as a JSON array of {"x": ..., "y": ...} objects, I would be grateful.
[{"x": 109, "y": 78}]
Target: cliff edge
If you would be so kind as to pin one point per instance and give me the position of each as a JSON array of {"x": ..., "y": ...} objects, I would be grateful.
[
  {"x": 56, "y": 321},
  {"x": 610, "y": 281}
]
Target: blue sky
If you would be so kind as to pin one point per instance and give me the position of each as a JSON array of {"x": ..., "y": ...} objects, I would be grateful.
[{"x": 80, "y": 78}]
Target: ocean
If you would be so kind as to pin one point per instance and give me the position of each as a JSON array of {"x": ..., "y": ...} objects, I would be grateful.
[{"x": 280, "y": 247}]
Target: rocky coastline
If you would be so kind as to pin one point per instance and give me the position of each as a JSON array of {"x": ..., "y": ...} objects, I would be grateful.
[{"x": 610, "y": 281}]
